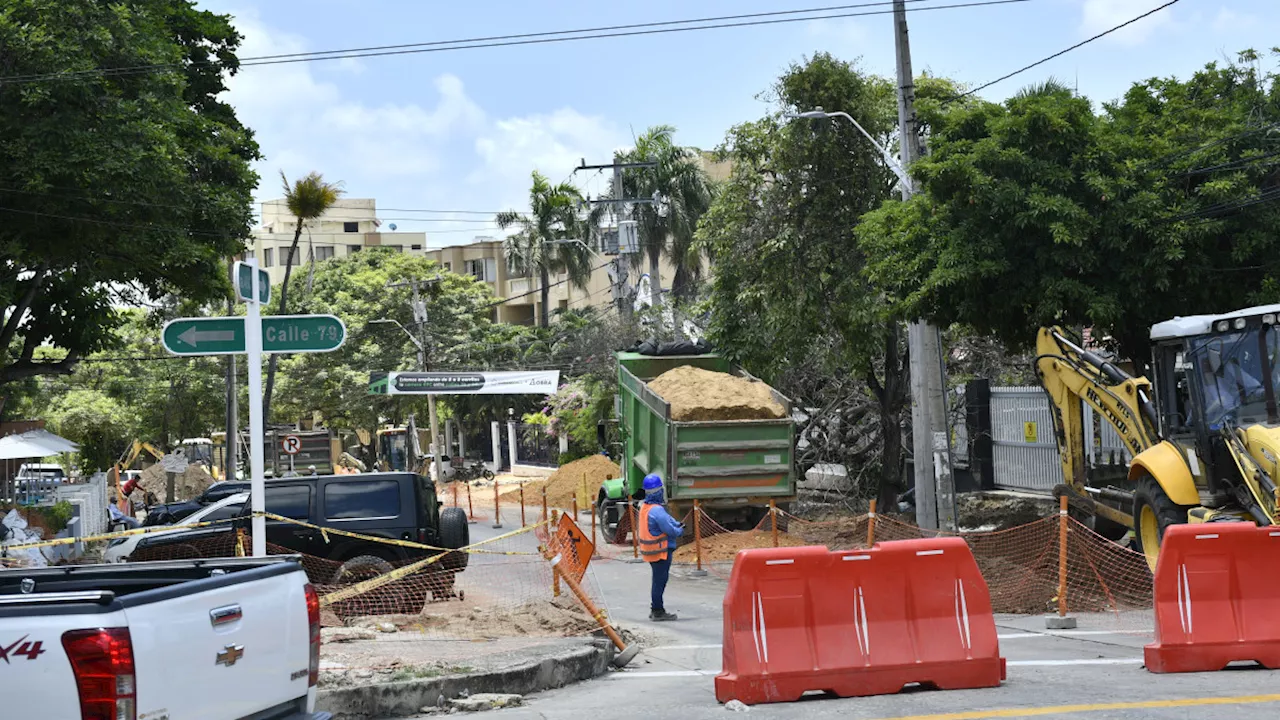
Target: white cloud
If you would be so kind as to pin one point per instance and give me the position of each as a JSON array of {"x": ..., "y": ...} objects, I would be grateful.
[
  {"x": 1100, "y": 15},
  {"x": 444, "y": 153},
  {"x": 1228, "y": 20}
]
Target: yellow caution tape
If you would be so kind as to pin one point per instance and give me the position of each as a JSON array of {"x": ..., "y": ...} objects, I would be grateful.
[
  {"x": 377, "y": 582},
  {"x": 114, "y": 535},
  {"x": 390, "y": 541}
]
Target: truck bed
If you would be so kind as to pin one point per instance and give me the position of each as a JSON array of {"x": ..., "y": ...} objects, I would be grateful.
[{"x": 738, "y": 461}]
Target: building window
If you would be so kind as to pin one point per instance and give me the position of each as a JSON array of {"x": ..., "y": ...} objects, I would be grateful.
[
  {"x": 350, "y": 227},
  {"x": 448, "y": 267},
  {"x": 267, "y": 259},
  {"x": 324, "y": 252},
  {"x": 293, "y": 256},
  {"x": 415, "y": 247},
  {"x": 482, "y": 269},
  {"x": 353, "y": 249}
]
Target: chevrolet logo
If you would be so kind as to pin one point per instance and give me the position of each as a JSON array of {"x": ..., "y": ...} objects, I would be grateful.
[{"x": 230, "y": 655}]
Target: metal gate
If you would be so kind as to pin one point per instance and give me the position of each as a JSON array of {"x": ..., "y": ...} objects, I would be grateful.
[{"x": 1024, "y": 452}]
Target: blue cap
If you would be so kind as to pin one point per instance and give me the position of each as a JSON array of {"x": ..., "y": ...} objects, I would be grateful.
[{"x": 652, "y": 481}]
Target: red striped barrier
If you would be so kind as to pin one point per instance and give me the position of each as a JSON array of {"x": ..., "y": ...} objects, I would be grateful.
[
  {"x": 856, "y": 623},
  {"x": 1217, "y": 592}
]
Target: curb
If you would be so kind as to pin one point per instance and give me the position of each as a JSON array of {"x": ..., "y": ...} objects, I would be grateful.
[{"x": 403, "y": 699}]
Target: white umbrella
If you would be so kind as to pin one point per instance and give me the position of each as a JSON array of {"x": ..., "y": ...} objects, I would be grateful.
[{"x": 34, "y": 444}]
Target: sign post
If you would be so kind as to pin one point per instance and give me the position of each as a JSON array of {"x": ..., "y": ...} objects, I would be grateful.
[
  {"x": 291, "y": 444},
  {"x": 253, "y": 345}
]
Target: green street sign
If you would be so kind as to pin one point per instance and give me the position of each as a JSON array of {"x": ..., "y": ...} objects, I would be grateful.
[
  {"x": 280, "y": 334},
  {"x": 204, "y": 336},
  {"x": 302, "y": 333},
  {"x": 242, "y": 277}
]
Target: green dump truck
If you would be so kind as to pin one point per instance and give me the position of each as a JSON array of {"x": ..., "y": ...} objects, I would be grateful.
[{"x": 734, "y": 467}]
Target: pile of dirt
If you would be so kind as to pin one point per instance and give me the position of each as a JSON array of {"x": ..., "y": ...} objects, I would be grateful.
[
  {"x": 560, "y": 617},
  {"x": 724, "y": 547},
  {"x": 696, "y": 394},
  {"x": 563, "y": 485},
  {"x": 187, "y": 484},
  {"x": 842, "y": 534}
]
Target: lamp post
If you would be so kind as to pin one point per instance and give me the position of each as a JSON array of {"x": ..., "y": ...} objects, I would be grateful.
[{"x": 431, "y": 399}]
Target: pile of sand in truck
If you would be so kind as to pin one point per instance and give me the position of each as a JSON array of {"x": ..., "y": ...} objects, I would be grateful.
[{"x": 696, "y": 394}]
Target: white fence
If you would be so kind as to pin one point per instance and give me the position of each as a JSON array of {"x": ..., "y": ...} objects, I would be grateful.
[
  {"x": 90, "y": 501},
  {"x": 1024, "y": 449}
]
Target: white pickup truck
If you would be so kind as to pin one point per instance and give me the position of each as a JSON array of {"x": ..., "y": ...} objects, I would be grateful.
[{"x": 224, "y": 639}]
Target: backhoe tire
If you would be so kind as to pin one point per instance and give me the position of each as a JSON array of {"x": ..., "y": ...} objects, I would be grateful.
[
  {"x": 454, "y": 533},
  {"x": 1153, "y": 513}
]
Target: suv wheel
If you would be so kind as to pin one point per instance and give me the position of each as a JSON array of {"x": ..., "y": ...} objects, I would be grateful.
[
  {"x": 361, "y": 567},
  {"x": 454, "y": 534}
]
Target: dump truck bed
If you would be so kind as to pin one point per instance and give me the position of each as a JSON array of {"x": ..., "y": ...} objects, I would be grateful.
[{"x": 722, "y": 460}]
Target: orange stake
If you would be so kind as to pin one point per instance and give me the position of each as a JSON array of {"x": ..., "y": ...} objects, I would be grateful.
[
  {"x": 635, "y": 538},
  {"x": 773, "y": 515},
  {"x": 522, "y": 521},
  {"x": 697, "y": 531},
  {"x": 625, "y": 654},
  {"x": 471, "y": 511},
  {"x": 455, "y": 494},
  {"x": 555, "y": 576},
  {"x": 593, "y": 528},
  {"x": 1062, "y": 556},
  {"x": 871, "y": 525},
  {"x": 497, "y": 510},
  {"x": 544, "y": 505},
  {"x": 575, "y": 508}
]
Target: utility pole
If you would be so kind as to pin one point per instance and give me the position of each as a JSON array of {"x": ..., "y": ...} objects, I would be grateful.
[
  {"x": 620, "y": 283},
  {"x": 420, "y": 318},
  {"x": 931, "y": 442},
  {"x": 231, "y": 449}
]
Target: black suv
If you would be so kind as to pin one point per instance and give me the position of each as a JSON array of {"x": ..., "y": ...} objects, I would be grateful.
[{"x": 399, "y": 506}]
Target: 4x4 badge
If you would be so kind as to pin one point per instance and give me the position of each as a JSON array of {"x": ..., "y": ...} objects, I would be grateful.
[{"x": 32, "y": 650}]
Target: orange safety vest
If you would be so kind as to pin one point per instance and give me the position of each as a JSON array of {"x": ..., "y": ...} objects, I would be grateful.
[{"x": 653, "y": 548}]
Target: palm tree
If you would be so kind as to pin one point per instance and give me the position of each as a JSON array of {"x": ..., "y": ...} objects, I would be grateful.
[
  {"x": 681, "y": 192},
  {"x": 551, "y": 238},
  {"x": 307, "y": 199}
]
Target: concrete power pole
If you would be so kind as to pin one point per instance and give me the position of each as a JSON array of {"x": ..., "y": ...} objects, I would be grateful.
[
  {"x": 621, "y": 297},
  {"x": 934, "y": 485},
  {"x": 231, "y": 449}
]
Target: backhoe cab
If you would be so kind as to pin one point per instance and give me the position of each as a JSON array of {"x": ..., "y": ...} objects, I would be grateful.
[{"x": 1205, "y": 436}]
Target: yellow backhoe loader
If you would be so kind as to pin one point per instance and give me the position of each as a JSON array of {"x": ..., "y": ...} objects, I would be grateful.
[{"x": 1205, "y": 436}]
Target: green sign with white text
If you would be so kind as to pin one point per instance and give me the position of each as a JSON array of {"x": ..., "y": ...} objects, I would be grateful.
[{"x": 280, "y": 334}]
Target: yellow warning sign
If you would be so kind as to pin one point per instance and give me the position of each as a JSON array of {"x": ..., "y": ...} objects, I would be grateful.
[{"x": 1029, "y": 432}]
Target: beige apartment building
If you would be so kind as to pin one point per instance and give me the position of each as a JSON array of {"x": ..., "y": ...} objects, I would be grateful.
[{"x": 352, "y": 225}]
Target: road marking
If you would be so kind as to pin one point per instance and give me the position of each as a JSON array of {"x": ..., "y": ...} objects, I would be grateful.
[
  {"x": 1057, "y": 709},
  {"x": 1069, "y": 633},
  {"x": 1088, "y": 661}
]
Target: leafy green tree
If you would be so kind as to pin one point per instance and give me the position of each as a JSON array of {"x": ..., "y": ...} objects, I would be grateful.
[
  {"x": 355, "y": 288},
  {"x": 96, "y": 421},
  {"x": 118, "y": 185},
  {"x": 681, "y": 192},
  {"x": 307, "y": 198},
  {"x": 551, "y": 238},
  {"x": 1039, "y": 211},
  {"x": 788, "y": 288}
]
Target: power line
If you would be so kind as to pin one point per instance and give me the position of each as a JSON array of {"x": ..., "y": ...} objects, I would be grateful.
[
  {"x": 539, "y": 289},
  {"x": 560, "y": 36},
  {"x": 1060, "y": 53}
]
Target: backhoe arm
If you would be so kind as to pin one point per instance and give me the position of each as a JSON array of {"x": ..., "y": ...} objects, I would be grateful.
[{"x": 1071, "y": 374}]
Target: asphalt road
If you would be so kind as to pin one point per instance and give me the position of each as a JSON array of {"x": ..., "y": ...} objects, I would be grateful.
[{"x": 1091, "y": 673}]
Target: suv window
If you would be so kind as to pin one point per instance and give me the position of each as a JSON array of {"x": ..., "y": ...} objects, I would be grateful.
[
  {"x": 224, "y": 512},
  {"x": 361, "y": 500},
  {"x": 293, "y": 501}
]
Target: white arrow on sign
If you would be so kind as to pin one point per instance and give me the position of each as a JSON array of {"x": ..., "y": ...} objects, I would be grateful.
[{"x": 194, "y": 337}]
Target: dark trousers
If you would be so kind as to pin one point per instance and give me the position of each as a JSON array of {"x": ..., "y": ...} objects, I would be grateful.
[{"x": 661, "y": 571}]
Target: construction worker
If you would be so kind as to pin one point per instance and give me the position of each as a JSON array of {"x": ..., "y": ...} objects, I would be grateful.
[{"x": 658, "y": 533}]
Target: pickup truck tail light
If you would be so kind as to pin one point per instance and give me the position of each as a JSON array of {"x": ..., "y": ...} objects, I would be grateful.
[
  {"x": 313, "y": 621},
  {"x": 102, "y": 660}
]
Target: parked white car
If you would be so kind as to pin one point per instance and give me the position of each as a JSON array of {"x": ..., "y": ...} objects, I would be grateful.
[{"x": 228, "y": 507}]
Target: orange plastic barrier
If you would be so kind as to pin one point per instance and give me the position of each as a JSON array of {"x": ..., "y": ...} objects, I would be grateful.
[
  {"x": 1216, "y": 598},
  {"x": 857, "y": 623}
]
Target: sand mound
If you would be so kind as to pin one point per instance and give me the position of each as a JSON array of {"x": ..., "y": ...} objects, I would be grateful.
[
  {"x": 187, "y": 484},
  {"x": 564, "y": 484},
  {"x": 696, "y": 394},
  {"x": 559, "y": 617},
  {"x": 725, "y": 546}
]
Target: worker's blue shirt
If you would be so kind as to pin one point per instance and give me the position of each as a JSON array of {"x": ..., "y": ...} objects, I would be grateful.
[{"x": 661, "y": 522}]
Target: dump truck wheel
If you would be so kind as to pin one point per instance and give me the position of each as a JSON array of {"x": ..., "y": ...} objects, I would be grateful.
[
  {"x": 1153, "y": 512},
  {"x": 609, "y": 531}
]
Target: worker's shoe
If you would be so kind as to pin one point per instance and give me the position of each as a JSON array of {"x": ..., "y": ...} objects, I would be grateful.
[{"x": 661, "y": 615}]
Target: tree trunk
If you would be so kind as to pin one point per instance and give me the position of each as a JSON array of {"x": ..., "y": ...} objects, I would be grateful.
[
  {"x": 280, "y": 310},
  {"x": 545, "y": 277},
  {"x": 682, "y": 283},
  {"x": 891, "y": 405},
  {"x": 655, "y": 278}
]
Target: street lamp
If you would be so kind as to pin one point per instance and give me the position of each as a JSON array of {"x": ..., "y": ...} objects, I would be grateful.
[
  {"x": 431, "y": 399},
  {"x": 819, "y": 114}
]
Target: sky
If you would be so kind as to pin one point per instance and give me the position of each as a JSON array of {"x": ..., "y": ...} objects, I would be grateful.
[{"x": 459, "y": 132}]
